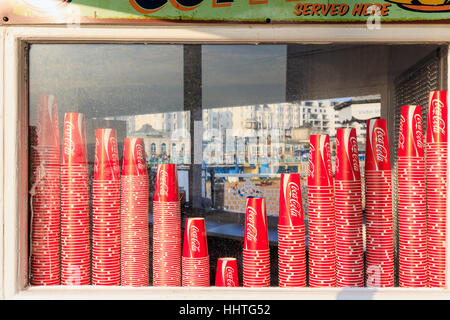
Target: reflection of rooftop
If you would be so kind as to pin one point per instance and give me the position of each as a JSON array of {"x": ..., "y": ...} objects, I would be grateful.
[
  {"x": 358, "y": 100},
  {"x": 148, "y": 130}
]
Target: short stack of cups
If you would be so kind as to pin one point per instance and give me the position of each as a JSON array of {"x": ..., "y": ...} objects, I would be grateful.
[
  {"x": 106, "y": 210},
  {"x": 411, "y": 199},
  {"x": 45, "y": 196},
  {"x": 227, "y": 272},
  {"x": 75, "y": 247},
  {"x": 166, "y": 228},
  {"x": 379, "y": 222},
  {"x": 291, "y": 233},
  {"x": 349, "y": 218},
  {"x": 321, "y": 224},
  {"x": 134, "y": 233},
  {"x": 436, "y": 163},
  {"x": 195, "y": 254},
  {"x": 256, "y": 254}
]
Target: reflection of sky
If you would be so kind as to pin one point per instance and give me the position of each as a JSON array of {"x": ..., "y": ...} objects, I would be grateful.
[
  {"x": 103, "y": 80},
  {"x": 106, "y": 80}
]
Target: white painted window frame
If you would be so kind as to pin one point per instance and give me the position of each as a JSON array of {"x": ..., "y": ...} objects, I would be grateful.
[{"x": 13, "y": 124}]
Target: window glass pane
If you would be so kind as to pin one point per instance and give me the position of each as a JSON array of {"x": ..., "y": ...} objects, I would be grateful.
[{"x": 233, "y": 118}]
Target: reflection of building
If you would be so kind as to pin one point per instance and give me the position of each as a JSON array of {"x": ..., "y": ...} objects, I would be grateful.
[
  {"x": 263, "y": 133},
  {"x": 165, "y": 122},
  {"x": 165, "y": 146},
  {"x": 166, "y": 135},
  {"x": 266, "y": 134}
]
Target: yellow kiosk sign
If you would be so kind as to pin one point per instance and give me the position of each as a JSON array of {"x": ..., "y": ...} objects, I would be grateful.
[{"x": 259, "y": 11}]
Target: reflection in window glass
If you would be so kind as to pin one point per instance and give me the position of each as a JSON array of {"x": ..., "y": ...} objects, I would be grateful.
[
  {"x": 264, "y": 140},
  {"x": 135, "y": 89}
]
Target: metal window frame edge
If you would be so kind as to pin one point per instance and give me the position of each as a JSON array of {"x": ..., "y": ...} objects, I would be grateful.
[{"x": 12, "y": 98}]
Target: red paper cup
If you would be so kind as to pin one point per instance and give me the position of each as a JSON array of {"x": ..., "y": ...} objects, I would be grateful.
[
  {"x": 377, "y": 146},
  {"x": 437, "y": 127},
  {"x": 106, "y": 165},
  {"x": 320, "y": 171},
  {"x": 347, "y": 158},
  {"x": 410, "y": 142},
  {"x": 227, "y": 273},
  {"x": 166, "y": 186},
  {"x": 195, "y": 244},
  {"x": 134, "y": 161},
  {"x": 290, "y": 205},
  {"x": 256, "y": 235},
  {"x": 74, "y": 140}
]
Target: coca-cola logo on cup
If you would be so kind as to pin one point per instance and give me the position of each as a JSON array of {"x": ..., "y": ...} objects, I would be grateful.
[
  {"x": 401, "y": 137},
  {"x": 437, "y": 120},
  {"x": 69, "y": 144},
  {"x": 294, "y": 204},
  {"x": 229, "y": 272},
  {"x": 195, "y": 242},
  {"x": 418, "y": 130},
  {"x": 328, "y": 159},
  {"x": 311, "y": 164},
  {"x": 354, "y": 149},
  {"x": 114, "y": 154},
  {"x": 252, "y": 233},
  {"x": 380, "y": 149},
  {"x": 163, "y": 184},
  {"x": 140, "y": 156}
]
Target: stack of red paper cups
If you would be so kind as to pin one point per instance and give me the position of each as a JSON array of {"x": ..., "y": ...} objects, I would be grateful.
[
  {"x": 106, "y": 210},
  {"x": 134, "y": 234},
  {"x": 321, "y": 242},
  {"x": 379, "y": 227},
  {"x": 256, "y": 255},
  {"x": 227, "y": 273},
  {"x": 195, "y": 254},
  {"x": 411, "y": 199},
  {"x": 291, "y": 234},
  {"x": 75, "y": 249},
  {"x": 437, "y": 161},
  {"x": 349, "y": 233},
  {"x": 45, "y": 197},
  {"x": 166, "y": 228}
]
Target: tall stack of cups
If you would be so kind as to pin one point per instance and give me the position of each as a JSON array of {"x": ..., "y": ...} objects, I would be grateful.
[
  {"x": 134, "y": 232},
  {"x": 256, "y": 255},
  {"x": 379, "y": 224},
  {"x": 437, "y": 161},
  {"x": 291, "y": 234},
  {"x": 411, "y": 199},
  {"x": 166, "y": 228},
  {"x": 227, "y": 273},
  {"x": 195, "y": 254},
  {"x": 106, "y": 210},
  {"x": 322, "y": 251},
  {"x": 75, "y": 248},
  {"x": 45, "y": 196},
  {"x": 349, "y": 233}
]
